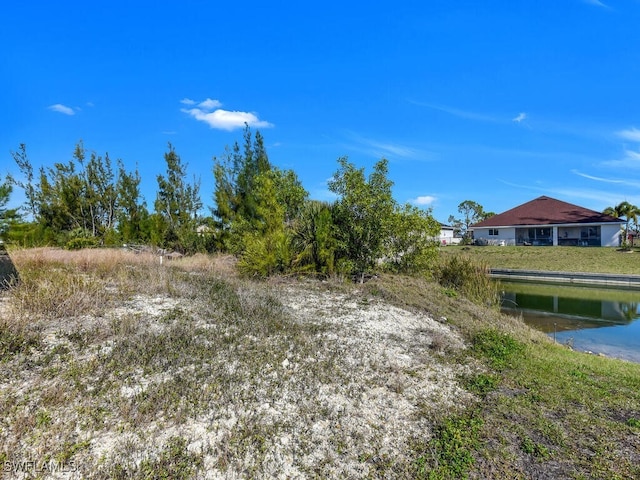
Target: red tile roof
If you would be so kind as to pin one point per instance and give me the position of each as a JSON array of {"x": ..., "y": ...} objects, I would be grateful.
[{"x": 546, "y": 211}]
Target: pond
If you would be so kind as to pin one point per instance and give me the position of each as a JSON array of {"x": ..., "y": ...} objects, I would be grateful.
[{"x": 598, "y": 320}]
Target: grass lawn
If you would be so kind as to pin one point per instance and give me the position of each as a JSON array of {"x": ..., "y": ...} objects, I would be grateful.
[{"x": 563, "y": 259}]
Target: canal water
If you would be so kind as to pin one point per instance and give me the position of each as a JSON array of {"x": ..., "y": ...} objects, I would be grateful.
[{"x": 598, "y": 320}]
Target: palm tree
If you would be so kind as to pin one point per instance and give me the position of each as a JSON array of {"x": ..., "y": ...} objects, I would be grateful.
[{"x": 626, "y": 210}]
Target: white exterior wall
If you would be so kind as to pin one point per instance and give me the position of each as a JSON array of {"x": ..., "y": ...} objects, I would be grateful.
[
  {"x": 447, "y": 238},
  {"x": 506, "y": 235},
  {"x": 610, "y": 235}
]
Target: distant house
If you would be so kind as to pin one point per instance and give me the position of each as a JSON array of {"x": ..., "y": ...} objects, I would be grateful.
[
  {"x": 547, "y": 221},
  {"x": 447, "y": 235}
]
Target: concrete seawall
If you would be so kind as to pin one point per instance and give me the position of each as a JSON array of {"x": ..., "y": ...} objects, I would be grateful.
[{"x": 572, "y": 278}]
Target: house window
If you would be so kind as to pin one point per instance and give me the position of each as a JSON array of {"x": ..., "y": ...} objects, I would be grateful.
[{"x": 493, "y": 232}]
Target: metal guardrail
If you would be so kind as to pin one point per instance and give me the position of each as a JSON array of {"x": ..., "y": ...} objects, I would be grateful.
[{"x": 578, "y": 278}]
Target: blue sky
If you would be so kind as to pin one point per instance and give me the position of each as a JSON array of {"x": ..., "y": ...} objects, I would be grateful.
[{"x": 497, "y": 102}]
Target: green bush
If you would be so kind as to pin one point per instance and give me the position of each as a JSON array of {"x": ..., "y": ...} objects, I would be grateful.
[{"x": 80, "y": 243}]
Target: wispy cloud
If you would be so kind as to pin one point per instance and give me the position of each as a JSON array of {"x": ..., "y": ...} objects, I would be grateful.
[
  {"x": 209, "y": 112},
  {"x": 597, "y": 179},
  {"x": 379, "y": 149},
  {"x": 595, "y": 3},
  {"x": 424, "y": 200},
  {"x": 210, "y": 104},
  {"x": 631, "y": 160},
  {"x": 456, "y": 112},
  {"x": 598, "y": 199},
  {"x": 632, "y": 134},
  {"x": 521, "y": 116},
  {"x": 631, "y": 157},
  {"x": 60, "y": 108}
]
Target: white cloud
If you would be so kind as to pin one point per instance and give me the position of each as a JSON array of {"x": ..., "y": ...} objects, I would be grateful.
[
  {"x": 598, "y": 179},
  {"x": 521, "y": 116},
  {"x": 632, "y": 134},
  {"x": 210, "y": 104},
  {"x": 227, "y": 120},
  {"x": 424, "y": 200},
  {"x": 58, "y": 107},
  {"x": 209, "y": 111}
]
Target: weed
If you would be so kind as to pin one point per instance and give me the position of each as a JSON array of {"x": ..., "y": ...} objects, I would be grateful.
[
  {"x": 450, "y": 450},
  {"x": 481, "y": 384},
  {"x": 15, "y": 338},
  {"x": 497, "y": 347},
  {"x": 533, "y": 448},
  {"x": 634, "y": 422},
  {"x": 43, "y": 418}
]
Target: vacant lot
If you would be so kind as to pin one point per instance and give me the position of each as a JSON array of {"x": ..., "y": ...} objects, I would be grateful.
[{"x": 114, "y": 366}]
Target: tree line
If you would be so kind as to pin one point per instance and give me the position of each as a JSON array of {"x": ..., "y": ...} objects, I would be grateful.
[{"x": 262, "y": 214}]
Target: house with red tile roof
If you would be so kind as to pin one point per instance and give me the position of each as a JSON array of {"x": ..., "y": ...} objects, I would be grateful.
[{"x": 547, "y": 221}]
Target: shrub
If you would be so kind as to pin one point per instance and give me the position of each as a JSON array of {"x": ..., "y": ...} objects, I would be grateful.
[
  {"x": 469, "y": 278},
  {"x": 80, "y": 243}
]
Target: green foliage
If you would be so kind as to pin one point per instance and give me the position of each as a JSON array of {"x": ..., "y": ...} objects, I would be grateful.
[
  {"x": 451, "y": 449},
  {"x": 265, "y": 243},
  {"x": 256, "y": 205},
  {"x": 410, "y": 245},
  {"x": 630, "y": 212},
  {"x": 530, "y": 447},
  {"x": 7, "y": 216},
  {"x": 314, "y": 238},
  {"x": 79, "y": 243},
  {"x": 265, "y": 255},
  {"x": 236, "y": 193},
  {"x": 634, "y": 422},
  {"x": 132, "y": 215},
  {"x": 81, "y": 194},
  {"x": 176, "y": 206},
  {"x": 498, "y": 348},
  {"x": 482, "y": 383},
  {"x": 472, "y": 212},
  {"x": 362, "y": 213},
  {"x": 467, "y": 277}
]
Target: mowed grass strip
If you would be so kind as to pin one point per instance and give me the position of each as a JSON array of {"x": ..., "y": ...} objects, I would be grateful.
[{"x": 561, "y": 259}]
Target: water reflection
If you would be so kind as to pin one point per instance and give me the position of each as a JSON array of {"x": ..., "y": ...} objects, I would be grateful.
[{"x": 598, "y": 320}]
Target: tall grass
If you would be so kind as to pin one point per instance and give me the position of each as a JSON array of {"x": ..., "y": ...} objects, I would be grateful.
[{"x": 468, "y": 277}]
